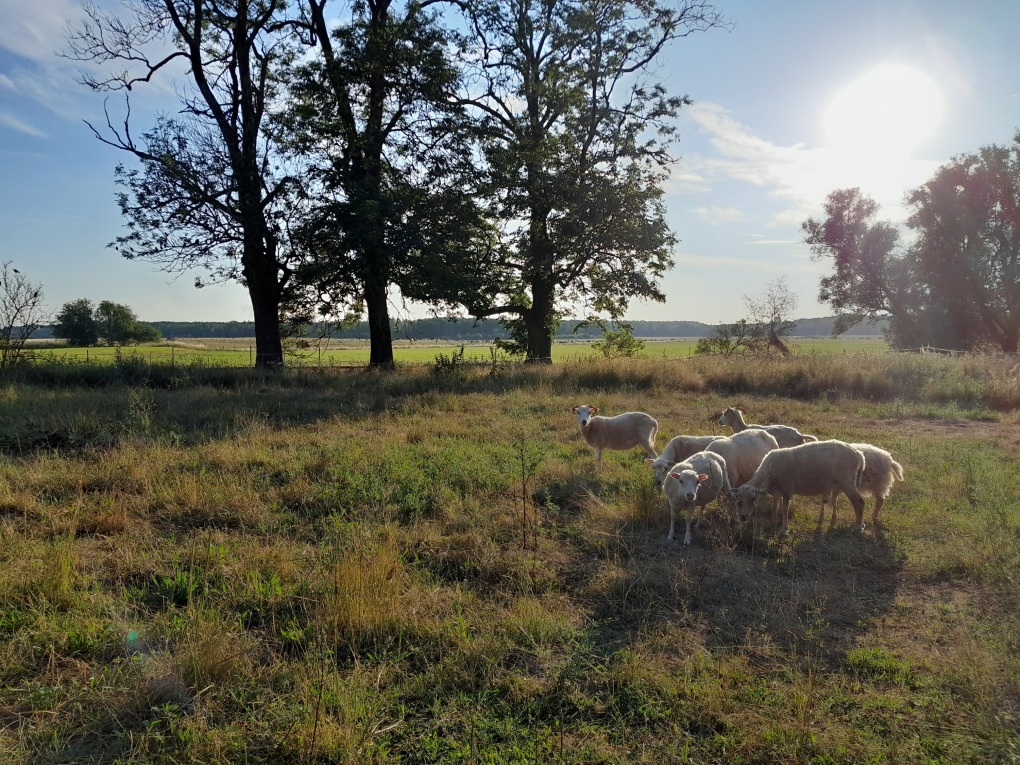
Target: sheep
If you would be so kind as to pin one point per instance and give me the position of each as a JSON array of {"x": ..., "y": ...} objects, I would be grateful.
[
  {"x": 811, "y": 469},
  {"x": 743, "y": 453},
  {"x": 881, "y": 471},
  {"x": 677, "y": 450},
  {"x": 622, "y": 432},
  {"x": 785, "y": 435},
  {"x": 694, "y": 483}
]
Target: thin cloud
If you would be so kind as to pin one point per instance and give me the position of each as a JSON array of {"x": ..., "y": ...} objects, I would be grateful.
[
  {"x": 800, "y": 175},
  {"x": 6, "y": 120},
  {"x": 773, "y": 241},
  {"x": 719, "y": 215}
]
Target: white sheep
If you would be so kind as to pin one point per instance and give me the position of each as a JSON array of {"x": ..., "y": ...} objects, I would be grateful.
[
  {"x": 881, "y": 471},
  {"x": 677, "y": 450},
  {"x": 785, "y": 435},
  {"x": 622, "y": 432},
  {"x": 812, "y": 469},
  {"x": 694, "y": 483},
  {"x": 743, "y": 453}
]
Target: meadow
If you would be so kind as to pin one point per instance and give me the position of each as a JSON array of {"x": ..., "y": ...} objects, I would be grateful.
[
  {"x": 239, "y": 352},
  {"x": 424, "y": 566}
]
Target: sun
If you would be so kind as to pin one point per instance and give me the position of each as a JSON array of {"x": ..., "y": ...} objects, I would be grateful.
[{"x": 888, "y": 112}]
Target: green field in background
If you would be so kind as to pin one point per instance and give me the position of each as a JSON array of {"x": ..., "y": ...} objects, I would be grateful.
[{"x": 355, "y": 353}]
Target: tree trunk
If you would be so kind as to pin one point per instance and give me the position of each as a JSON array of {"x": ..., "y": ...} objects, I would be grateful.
[
  {"x": 260, "y": 274},
  {"x": 380, "y": 337},
  {"x": 538, "y": 320}
]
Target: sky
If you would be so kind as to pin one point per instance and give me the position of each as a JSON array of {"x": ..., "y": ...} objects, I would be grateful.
[{"x": 793, "y": 101}]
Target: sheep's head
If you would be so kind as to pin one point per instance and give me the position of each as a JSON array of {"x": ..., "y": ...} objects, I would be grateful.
[
  {"x": 584, "y": 413},
  {"x": 689, "y": 482},
  {"x": 730, "y": 416},
  {"x": 745, "y": 500},
  {"x": 659, "y": 467}
]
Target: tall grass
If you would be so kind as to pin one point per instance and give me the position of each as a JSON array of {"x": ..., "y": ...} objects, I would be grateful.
[{"x": 425, "y": 566}]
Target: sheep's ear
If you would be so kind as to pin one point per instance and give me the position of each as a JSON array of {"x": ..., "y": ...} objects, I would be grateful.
[
  {"x": 674, "y": 475},
  {"x": 573, "y": 409},
  {"x": 702, "y": 477},
  {"x": 594, "y": 410},
  {"x": 649, "y": 461},
  {"x": 739, "y": 408}
]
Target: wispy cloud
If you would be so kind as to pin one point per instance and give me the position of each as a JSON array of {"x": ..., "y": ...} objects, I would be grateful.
[
  {"x": 800, "y": 175},
  {"x": 719, "y": 215},
  {"x": 774, "y": 241},
  {"x": 6, "y": 120}
]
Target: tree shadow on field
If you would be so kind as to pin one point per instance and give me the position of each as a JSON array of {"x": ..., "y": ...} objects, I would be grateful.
[{"x": 756, "y": 593}]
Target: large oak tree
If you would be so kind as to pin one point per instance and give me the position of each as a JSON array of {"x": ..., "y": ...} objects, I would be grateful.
[
  {"x": 573, "y": 124},
  {"x": 208, "y": 193}
]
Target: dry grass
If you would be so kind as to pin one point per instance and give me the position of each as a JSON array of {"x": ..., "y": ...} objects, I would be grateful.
[{"x": 428, "y": 568}]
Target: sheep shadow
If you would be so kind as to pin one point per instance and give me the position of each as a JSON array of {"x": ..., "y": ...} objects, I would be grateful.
[{"x": 752, "y": 591}]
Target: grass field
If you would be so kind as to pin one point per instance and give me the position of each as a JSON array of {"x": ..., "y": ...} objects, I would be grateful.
[
  {"x": 239, "y": 352},
  {"x": 424, "y": 566}
]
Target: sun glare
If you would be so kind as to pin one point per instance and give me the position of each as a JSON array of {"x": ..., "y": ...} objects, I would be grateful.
[{"x": 887, "y": 112}]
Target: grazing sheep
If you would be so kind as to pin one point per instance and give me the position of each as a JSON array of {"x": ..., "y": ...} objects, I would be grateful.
[
  {"x": 785, "y": 435},
  {"x": 811, "y": 469},
  {"x": 694, "y": 483},
  {"x": 743, "y": 453},
  {"x": 881, "y": 471},
  {"x": 622, "y": 432},
  {"x": 677, "y": 450}
]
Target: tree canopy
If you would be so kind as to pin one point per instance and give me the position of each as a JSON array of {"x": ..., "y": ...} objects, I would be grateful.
[{"x": 957, "y": 284}]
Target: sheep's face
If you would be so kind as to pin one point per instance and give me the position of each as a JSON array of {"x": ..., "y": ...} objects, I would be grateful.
[
  {"x": 584, "y": 414},
  {"x": 744, "y": 501},
  {"x": 689, "y": 482},
  {"x": 660, "y": 468},
  {"x": 730, "y": 416}
]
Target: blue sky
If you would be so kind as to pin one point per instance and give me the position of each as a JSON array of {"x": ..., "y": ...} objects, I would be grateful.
[{"x": 759, "y": 149}]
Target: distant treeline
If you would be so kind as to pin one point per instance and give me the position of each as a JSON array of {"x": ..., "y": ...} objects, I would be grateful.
[
  {"x": 468, "y": 330},
  {"x": 486, "y": 330}
]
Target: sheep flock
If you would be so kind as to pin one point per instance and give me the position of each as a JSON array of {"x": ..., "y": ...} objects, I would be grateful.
[{"x": 756, "y": 468}]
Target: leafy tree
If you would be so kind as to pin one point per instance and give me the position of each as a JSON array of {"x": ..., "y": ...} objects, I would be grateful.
[
  {"x": 870, "y": 278},
  {"x": 118, "y": 325},
  {"x": 572, "y": 125},
  {"x": 617, "y": 341},
  {"x": 958, "y": 284},
  {"x": 208, "y": 193},
  {"x": 726, "y": 339},
  {"x": 967, "y": 250},
  {"x": 21, "y": 313},
  {"x": 76, "y": 323},
  {"x": 376, "y": 118}
]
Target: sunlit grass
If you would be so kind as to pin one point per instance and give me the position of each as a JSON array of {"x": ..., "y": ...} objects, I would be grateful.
[{"x": 428, "y": 567}]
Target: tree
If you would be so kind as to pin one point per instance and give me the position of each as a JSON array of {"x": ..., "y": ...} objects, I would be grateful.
[
  {"x": 21, "y": 313},
  {"x": 375, "y": 118},
  {"x": 967, "y": 250},
  {"x": 572, "y": 126},
  {"x": 209, "y": 194},
  {"x": 76, "y": 323},
  {"x": 870, "y": 278},
  {"x": 726, "y": 339},
  {"x": 118, "y": 325},
  {"x": 768, "y": 317}
]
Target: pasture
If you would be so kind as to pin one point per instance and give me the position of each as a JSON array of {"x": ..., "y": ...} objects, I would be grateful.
[
  {"x": 424, "y": 566},
  {"x": 240, "y": 352}
]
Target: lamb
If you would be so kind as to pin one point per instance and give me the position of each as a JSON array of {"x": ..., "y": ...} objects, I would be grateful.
[
  {"x": 881, "y": 471},
  {"x": 811, "y": 469},
  {"x": 743, "y": 453},
  {"x": 694, "y": 483},
  {"x": 622, "y": 432},
  {"x": 677, "y": 450},
  {"x": 785, "y": 435}
]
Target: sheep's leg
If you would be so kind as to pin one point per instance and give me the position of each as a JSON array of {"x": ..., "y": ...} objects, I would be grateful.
[
  {"x": 650, "y": 450},
  {"x": 858, "y": 502},
  {"x": 687, "y": 536},
  {"x": 785, "y": 529},
  {"x": 821, "y": 514},
  {"x": 879, "y": 501},
  {"x": 672, "y": 521},
  {"x": 598, "y": 458}
]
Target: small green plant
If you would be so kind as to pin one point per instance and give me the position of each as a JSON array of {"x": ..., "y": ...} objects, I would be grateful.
[{"x": 618, "y": 341}]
